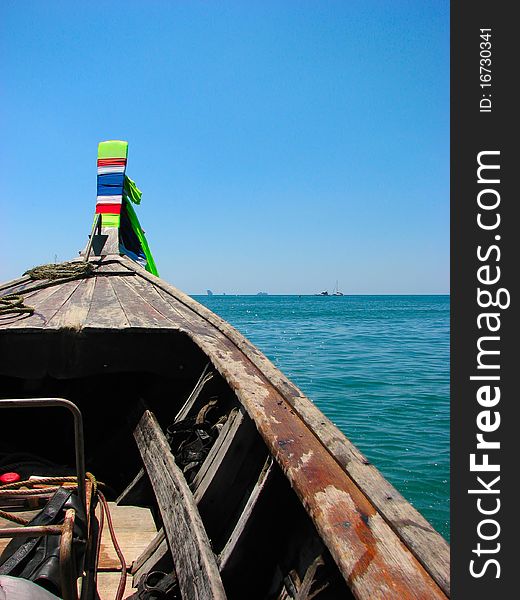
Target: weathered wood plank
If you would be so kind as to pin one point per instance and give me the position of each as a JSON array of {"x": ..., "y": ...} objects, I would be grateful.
[
  {"x": 46, "y": 302},
  {"x": 126, "y": 497},
  {"x": 194, "y": 323},
  {"x": 135, "y": 528},
  {"x": 153, "y": 545},
  {"x": 19, "y": 287},
  {"x": 151, "y": 295},
  {"x": 157, "y": 550},
  {"x": 108, "y": 583},
  {"x": 7, "y": 286},
  {"x": 112, "y": 266},
  {"x": 19, "y": 320},
  {"x": 138, "y": 311},
  {"x": 129, "y": 492},
  {"x": 105, "y": 309},
  {"x": 74, "y": 312},
  {"x": 193, "y": 558},
  {"x": 174, "y": 305}
]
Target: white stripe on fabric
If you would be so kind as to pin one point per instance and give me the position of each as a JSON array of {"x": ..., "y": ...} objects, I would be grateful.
[
  {"x": 107, "y": 170},
  {"x": 109, "y": 200}
]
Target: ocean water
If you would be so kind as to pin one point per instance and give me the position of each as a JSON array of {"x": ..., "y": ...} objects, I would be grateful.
[{"x": 377, "y": 366}]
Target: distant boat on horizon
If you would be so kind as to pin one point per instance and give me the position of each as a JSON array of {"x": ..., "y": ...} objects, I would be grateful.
[
  {"x": 336, "y": 291},
  {"x": 324, "y": 293}
]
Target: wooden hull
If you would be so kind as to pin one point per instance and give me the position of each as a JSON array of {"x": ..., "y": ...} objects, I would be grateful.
[{"x": 278, "y": 505}]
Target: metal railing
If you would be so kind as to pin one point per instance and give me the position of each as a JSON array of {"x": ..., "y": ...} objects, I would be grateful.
[{"x": 79, "y": 443}]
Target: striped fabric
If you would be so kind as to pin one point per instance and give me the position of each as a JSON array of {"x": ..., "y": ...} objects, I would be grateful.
[
  {"x": 112, "y": 209},
  {"x": 114, "y": 169},
  {"x": 111, "y": 166},
  {"x": 116, "y": 194}
]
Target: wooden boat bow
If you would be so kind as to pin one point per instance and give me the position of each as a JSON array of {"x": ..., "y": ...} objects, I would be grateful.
[{"x": 381, "y": 545}]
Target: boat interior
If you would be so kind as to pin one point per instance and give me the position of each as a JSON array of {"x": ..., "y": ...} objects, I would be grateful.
[{"x": 153, "y": 406}]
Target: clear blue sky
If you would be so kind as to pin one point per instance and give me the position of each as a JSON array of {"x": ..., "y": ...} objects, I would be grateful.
[{"x": 280, "y": 146}]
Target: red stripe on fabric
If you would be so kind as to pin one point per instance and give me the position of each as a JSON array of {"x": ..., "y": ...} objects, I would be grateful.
[
  {"x": 111, "y": 162},
  {"x": 111, "y": 209}
]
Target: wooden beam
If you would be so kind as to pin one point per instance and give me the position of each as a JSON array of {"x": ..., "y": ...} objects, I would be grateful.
[
  {"x": 217, "y": 452},
  {"x": 217, "y": 473},
  {"x": 193, "y": 558},
  {"x": 129, "y": 496},
  {"x": 184, "y": 411},
  {"x": 157, "y": 550},
  {"x": 236, "y": 536}
]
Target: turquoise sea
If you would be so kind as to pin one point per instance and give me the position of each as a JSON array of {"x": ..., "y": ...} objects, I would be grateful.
[{"x": 377, "y": 366}]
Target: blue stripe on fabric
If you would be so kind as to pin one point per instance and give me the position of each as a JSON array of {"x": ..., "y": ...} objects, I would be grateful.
[
  {"x": 109, "y": 190},
  {"x": 111, "y": 179},
  {"x": 110, "y": 184}
]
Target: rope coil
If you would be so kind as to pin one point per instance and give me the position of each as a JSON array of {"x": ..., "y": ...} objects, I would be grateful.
[
  {"x": 66, "y": 270},
  {"x": 50, "y": 274},
  {"x": 13, "y": 303}
]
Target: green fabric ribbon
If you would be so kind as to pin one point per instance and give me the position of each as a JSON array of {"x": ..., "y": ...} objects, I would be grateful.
[
  {"x": 136, "y": 226},
  {"x": 131, "y": 191}
]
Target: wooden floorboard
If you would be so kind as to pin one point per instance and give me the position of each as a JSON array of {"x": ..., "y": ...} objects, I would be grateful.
[
  {"x": 105, "y": 309},
  {"x": 135, "y": 529},
  {"x": 108, "y": 582},
  {"x": 74, "y": 312},
  {"x": 151, "y": 295},
  {"x": 112, "y": 266},
  {"x": 138, "y": 311},
  {"x": 46, "y": 303}
]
